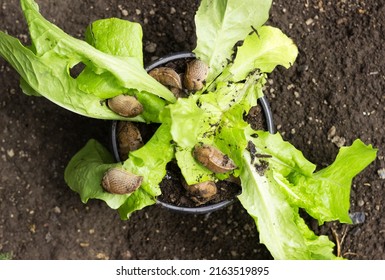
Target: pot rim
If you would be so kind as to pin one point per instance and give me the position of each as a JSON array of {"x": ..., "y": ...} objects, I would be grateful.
[{"x": 264, "y": 103}]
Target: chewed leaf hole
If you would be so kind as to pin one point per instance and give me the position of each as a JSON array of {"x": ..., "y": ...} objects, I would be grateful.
[{"x": 77, "y": 69}]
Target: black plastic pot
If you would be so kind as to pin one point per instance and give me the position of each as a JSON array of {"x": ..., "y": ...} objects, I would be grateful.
[{"x": 205, "y": 208}]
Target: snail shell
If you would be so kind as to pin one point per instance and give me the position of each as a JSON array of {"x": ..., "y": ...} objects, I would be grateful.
[
  {"x": 120, "y": 181},
  {"x": 129, "y": 138},
  {"x": 167, "y": 77},
  {"x": 213, "y": 159},
  {"x": 125, "y": 105},
  {"x": 201, "y": 192},
  {"x": 196, "y": 74}
]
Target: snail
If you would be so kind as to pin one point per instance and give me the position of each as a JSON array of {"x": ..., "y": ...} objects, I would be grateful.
[
  {"x": 129, "y": 138},
  {"x": 120, "y": 181},
  {"x": 169, "y": 78},
  {"x": 201, "y": 192},
  {"x": 196, "y": 74},
  {"x": 213, "y": 159},
  {"x": 125, "y": 105}
]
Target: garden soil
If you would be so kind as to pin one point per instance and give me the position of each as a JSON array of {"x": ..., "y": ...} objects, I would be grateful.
[{"x": 333, "y": 94}]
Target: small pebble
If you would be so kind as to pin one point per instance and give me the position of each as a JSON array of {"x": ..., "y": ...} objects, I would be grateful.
[
  {"x": 309, "y": 21},
  {"x": 338, "y": 141},
  {"x": 84, "y": 244},
  {"x": 10, "y": 153},
  {"x": 56, "y": 210},
  {"x": 102, "y": 256},
  {"x": 291, "y": 86},
  {"x": 360, "y": 203},
  {"x": 332, "y": 132},
  {"x": 32, "y": 228},
  {"x": 150, "y": 47},
  {"x": 357, "y": 217},
  {"x": 381, "y": 173},
  {"x": 127, "y": 255},
  {"x": 48, "y": 237}
]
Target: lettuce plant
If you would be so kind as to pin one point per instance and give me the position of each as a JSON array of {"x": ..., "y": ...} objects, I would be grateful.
[{"x": 277, "y": 180}]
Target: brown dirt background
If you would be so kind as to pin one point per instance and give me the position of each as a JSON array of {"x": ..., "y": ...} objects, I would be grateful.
[{"x": 338, "y": 80}]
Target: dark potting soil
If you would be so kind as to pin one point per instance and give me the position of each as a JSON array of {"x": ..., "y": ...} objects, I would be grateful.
[
  {"x": 174, "y": 193},
  {"x": 332, "y": 95}
]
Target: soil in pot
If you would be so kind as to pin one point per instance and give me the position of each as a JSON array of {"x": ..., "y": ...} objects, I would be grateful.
[{"x": 174, "y": 194}]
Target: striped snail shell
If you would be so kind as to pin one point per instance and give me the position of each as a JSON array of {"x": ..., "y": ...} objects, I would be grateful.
[
  {"x": 196, "y": 74},
  {"x": 125, "y": 105},
  {"x": 129, "y": 138},
  {"x": 119, "y": 181},
  {"x": 169, "y": 78}
]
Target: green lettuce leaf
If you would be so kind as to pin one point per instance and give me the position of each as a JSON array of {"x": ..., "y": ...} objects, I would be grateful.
[
  {"x": 45, "y": 67},
  {"x": 280, "y": 227},
  {"x": 54, "y": 82},
  {"x": 123, "y": 39},
  {"x": 112, "y": 36},
  {"x": 264, "y": 50},
  {"x": 205, "y": 118},
  {"x": 48, "y": 39},
  {"x": 220, "y": 24},
  {"x": 189, "y": 125},
  {"x": 278, "y": 180},
  {"x": 116, "y": 36},
  {"x": 150, "y": 161},
  {"x": 325, "y": 194},
  {"x": 337, "y": 179},
  {"x": 85, "y": 171}
]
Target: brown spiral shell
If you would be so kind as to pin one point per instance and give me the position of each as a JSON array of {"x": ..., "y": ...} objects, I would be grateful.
[
  {"x": 119, "y": 181},
  {"x": 129, "y": 138},
  {"x": 196, "y": 74},
  {"x": 125, "y": 105},
  {"x": 213, "y": 159}
]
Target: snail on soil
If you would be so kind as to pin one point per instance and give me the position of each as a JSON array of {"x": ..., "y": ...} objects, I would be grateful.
[
  {"x": 196, "y": 74},
  {"x": 129, "y": 138},
  {"x": 169, "y": 78},
  {"x": 120, "y": 181},
  {"x": 213, "y": 159},
  {"x": 201, "y": 192},
  {"x": 125, "y": 105}
]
